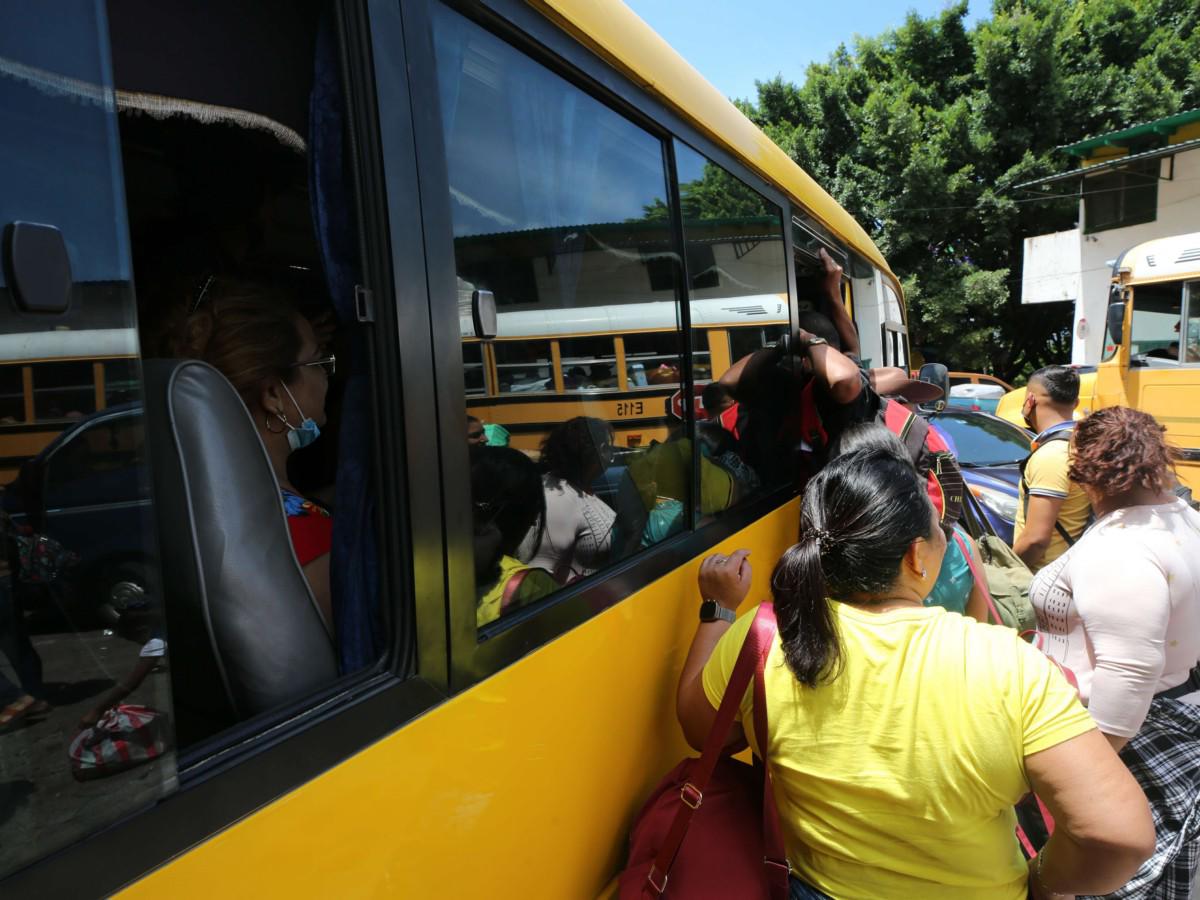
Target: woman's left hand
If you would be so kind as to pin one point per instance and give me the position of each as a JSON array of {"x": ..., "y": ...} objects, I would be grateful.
[{"x": 726, "y": 579}]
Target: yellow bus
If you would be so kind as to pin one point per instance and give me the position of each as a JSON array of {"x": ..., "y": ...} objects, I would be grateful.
[
  {"x": 604, "y": 215},
  {"x": 47, "y": 382},
  {"x": 532, "y": 379},
  {"x": 1151, "y": 355}
]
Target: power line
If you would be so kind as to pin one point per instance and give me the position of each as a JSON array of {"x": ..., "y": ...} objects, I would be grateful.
[{"x": 1047, "y": 198}]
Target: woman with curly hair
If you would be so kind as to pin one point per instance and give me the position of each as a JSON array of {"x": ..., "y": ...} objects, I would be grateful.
[
  {"x": 1121, "y": 610},
  {"x": 578, "y": 536}
]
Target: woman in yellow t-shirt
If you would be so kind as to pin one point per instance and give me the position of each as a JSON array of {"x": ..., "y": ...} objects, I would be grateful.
[{"x": 900, "y": 735}]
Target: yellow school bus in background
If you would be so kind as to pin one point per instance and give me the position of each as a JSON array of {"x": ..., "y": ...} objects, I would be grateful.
[
  {"x": 620, "y": 233},
  {"x": 1151, "y": 355},
  {"x": 1152, "y": 342},
  {"x": 49, "y": 382},
  {"x": 531, "y": 377},
  {"x": 622, "y": 362}
]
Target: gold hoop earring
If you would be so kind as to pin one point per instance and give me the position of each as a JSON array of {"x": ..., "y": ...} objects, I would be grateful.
[{"x": 281, "y": 417}]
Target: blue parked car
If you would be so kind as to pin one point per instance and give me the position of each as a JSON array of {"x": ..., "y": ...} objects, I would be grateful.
[
  {"x": 989, "y": 451},
  {"x": 87, "y": 490}
]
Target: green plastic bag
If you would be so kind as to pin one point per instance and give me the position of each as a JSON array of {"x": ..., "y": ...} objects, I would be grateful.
[{"x": 1009, "y": 579}]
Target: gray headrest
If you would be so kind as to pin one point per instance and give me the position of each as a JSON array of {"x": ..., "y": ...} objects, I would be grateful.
[{"x": 244, "y": 632}]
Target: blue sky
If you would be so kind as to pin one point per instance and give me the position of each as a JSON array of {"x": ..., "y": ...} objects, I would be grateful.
[{"x": 733, "y": 43}]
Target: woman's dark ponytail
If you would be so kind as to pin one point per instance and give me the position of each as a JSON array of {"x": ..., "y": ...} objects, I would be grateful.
[
  {"x": 806, "y": 626},
  {"x": 860, "y": 515}
]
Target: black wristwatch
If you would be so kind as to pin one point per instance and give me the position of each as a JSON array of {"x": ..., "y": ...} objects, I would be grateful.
[{"x": 711, "y": 611}]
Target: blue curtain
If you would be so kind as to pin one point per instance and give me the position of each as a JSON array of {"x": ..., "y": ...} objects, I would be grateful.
[{"x": 354, "y": 569}]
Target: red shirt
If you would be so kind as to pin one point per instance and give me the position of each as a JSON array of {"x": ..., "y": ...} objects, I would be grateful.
[{"x": 310, "y": 526}]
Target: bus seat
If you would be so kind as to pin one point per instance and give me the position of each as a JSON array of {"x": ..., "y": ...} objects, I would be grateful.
[{"x": 244, "y": 633}]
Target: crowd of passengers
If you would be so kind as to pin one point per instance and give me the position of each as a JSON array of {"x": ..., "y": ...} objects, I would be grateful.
[
  {"x": 904, "y": 722},
  {"x": 773, "y": 418}
]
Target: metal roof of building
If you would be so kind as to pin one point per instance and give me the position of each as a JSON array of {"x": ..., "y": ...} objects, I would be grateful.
[{"x": 1160, "y": 127}]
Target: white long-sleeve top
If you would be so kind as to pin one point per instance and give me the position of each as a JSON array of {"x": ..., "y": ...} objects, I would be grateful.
[
  {"x": 1121, "y": 609},
  {"x": 577, "y": 536}
]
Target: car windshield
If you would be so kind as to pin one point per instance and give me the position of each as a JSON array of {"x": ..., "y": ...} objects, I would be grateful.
[{"x": 983, "y": 440}]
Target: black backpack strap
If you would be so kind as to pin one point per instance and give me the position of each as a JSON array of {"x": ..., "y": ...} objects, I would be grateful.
[{"x": 1063, "y": 434}]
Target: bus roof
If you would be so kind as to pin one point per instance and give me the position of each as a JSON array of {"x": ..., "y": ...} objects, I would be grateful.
[
  {"x": 631, "y": 318},
  {"x": 614, "y": 31},
  {"x": 1177, "y": 256},
  {"x": 83, "y": 344}
]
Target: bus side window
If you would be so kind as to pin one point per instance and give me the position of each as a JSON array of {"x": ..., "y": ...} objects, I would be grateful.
[
  {"x": 560, "y": 209},
  {"x": 64, "y": 390},
  {"x": 1155, "y": 332},
  {"x": 78, "y": 612},
  {"x": 1190, "y": 336},
  {"x": 12, "y": 394},
  {"x": 739, "y": 235}
]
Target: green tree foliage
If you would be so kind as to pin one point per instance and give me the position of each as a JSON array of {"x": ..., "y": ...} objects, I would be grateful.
[{"x": 923, "y": 132}]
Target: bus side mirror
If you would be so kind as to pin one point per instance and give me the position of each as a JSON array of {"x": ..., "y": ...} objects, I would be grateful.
[
  {"x": 1116, "y": 320},
  {"x": 38, "y": 268},
  {"x": 483, "y": 314},
  {"x": 936, "y": 374}
]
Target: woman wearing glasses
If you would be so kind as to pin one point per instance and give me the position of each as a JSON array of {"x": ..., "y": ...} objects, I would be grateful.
[{"x": 254, "y": 336}]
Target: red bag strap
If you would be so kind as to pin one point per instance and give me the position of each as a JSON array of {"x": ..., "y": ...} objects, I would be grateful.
[
  {"x": 510, "y": 589},
  {"x": 750, "y": 661},
  {"x": 980, "y": 580},
  {"x": 775, "y": 853}
]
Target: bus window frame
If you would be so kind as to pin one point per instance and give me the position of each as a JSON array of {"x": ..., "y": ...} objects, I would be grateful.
[
  {"x": 266, "y": 757},
  {"x": 1140, "y": 360},
  {"x": 477, "y": 653},
  {"x": 1191, "y": 300}
]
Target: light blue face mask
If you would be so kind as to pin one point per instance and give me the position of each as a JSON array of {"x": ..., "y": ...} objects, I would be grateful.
[{"x": 304, "y": 434}]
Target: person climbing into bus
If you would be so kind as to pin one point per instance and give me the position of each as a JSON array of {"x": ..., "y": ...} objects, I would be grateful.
[
  {"x": 577, "y": 537},
  {"x": 799, "y": 394},
  {"x": 900, "y": 736},
  {"x": 253, "y": 334},
  {"x": 721, "y": 406},
  {"x": 1052, "y": 510},
  {"x": 1121, "y": 610},
  {"x": 507, "y": 503}
]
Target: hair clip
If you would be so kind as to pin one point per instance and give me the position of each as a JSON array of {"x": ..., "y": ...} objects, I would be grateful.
[
  {"x": 200, "y": 297},
  {"x": 823, "y": 538}
]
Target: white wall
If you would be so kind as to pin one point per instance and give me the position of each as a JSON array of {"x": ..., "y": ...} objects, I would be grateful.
[{"x": 1050, "y": 270}]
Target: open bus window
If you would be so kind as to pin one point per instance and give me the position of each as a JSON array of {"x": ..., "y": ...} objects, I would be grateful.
[
  {"x": 473, "y": 377},
  {"x": 588, "y": 363},
  {"x": 741, "y": 232},
  {"x": 523, "y": 366},
  {"x": 652, "y": 360},
  {"x": 1155, "y": 331},
  {"x": 559, "y": 208},
  {"x": 747, "y": 339},
  {"x": 65, "y": 390},
  {"x": 12, "y": 395}
]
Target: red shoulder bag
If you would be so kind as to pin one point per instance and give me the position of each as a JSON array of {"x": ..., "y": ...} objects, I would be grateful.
[{"x": 710, "y": 828}]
